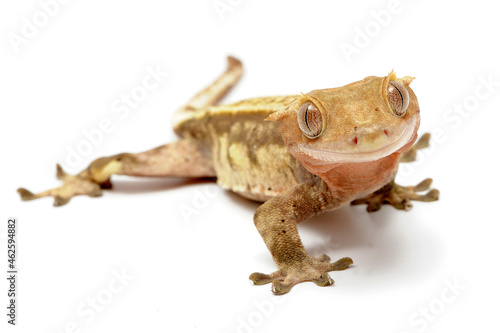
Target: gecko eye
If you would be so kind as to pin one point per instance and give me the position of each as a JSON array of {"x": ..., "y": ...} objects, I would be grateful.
[
  {"x": 310, "y": 120},
  {"x": 398, "y": 98}
]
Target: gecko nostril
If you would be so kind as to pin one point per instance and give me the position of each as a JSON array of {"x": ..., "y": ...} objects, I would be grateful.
[
  {"x": 355, "y": 140},
  {"x": 386, "y": 132}
]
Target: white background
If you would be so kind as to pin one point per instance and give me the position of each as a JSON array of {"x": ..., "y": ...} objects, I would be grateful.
[{"x": 191, "y": 274}]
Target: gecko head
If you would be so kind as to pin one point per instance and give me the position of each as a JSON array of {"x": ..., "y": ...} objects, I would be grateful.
[{"x": 361, "y": 122}]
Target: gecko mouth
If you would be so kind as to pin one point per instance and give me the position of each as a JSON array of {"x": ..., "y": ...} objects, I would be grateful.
[{"x": 326, "y": 156}]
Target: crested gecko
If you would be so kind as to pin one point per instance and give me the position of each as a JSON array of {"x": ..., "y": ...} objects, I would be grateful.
[{"x": 300, "y": 155}]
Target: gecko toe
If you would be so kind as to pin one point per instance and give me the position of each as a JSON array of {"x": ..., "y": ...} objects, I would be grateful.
[
  {"x": 324, "y": 258},
  {"x": 411, "y": 154},
  {"x": 341, "y": 264},
  {"x": 430, "y": 196},
  {"x": 423, "y": 185},
  {"x": 279, "y": 287},
  {"x": 324, "y": 280},
  {"x": 260, "y": 278},
  {"x": 60, "y": 201},
  {"x": 25, "y": 194}
]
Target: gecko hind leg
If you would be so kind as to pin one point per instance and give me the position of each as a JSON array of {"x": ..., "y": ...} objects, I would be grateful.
[
  {"x": 183, "y": 158},
  {"x": 400, "y": 197}
]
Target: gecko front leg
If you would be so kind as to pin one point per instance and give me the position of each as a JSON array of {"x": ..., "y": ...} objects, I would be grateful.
[{"x": 276, "y": 220}]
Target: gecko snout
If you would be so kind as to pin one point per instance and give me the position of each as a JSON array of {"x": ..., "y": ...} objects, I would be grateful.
[{"x": 368, "y": 139}]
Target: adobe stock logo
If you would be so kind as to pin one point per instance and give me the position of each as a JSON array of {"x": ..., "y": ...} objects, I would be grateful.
[
  {"x": 199, "y": 202},
  {"x": 263, "y": 311},
  {"x": 371, "y": 29},
  {"x": 454, "y": 118},
  {"x": 122, "y": 107},
  {"x": 39, "y": 20},
  {"x": 95, "y": 306},
  {"x": 222, "y": 7},
  {"x": 426, "y": 314}
]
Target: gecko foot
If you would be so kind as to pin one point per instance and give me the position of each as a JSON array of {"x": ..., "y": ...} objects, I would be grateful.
[
  {"x": 72, "y": 185},
  {"x": 310, "y": 269},
  {"x": 398, "y": 196}
]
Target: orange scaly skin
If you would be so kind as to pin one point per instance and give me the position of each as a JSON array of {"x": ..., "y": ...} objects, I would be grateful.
[{"x": 301, "y": 155}]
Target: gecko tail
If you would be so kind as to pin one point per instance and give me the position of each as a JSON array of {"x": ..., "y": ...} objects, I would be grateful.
[{"x": 212, "y": 94}]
